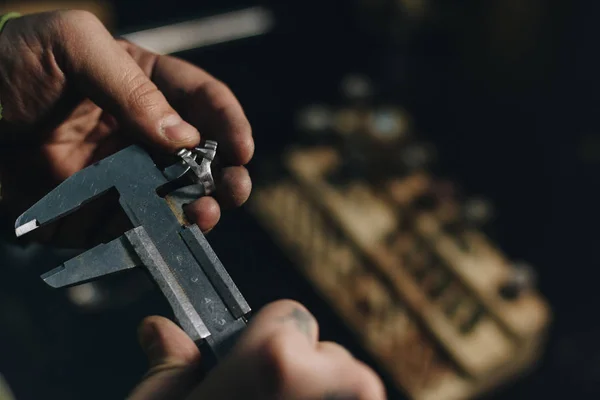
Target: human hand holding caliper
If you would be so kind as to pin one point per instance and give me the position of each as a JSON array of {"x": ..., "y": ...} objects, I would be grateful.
[
  {"x": 70, "y": 95},
  {"x": 279, "y": 357}
]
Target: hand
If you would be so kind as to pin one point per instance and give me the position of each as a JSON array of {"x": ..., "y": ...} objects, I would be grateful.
[
  {"x": 73, "y": 95},
  {"x": 279, "y": 357}
]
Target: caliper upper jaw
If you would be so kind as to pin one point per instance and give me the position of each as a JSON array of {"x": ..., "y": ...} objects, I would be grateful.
[
  {"x": 90, "y": 183},
  {"x": 79, "y": 189}
]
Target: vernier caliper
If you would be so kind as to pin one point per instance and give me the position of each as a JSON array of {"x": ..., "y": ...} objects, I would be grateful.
[{"x": 205, "y": 301}]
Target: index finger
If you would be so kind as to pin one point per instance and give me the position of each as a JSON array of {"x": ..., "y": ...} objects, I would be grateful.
[
  {"x": 208, "y": 104},
  {"x": 115, "y": 81},
  {"x": 282, "y": 315}
]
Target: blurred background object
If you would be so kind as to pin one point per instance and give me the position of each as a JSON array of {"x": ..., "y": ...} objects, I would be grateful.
[
  {"x": 203, "y": 32},
  {"x": 102, "y": 9},
  {"x": 448, "y": 128},
  {"x": 5, "y": 393},
  {"x": 400, "y": 255}
]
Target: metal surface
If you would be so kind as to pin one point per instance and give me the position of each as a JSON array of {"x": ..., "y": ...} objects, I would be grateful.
[
  {"x": 204, "y": 298},
  {"x": 182, "y": 307},
  {"x": 202, "y": 171}
]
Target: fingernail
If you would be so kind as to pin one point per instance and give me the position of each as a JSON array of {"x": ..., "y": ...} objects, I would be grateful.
[{"x": 177, "y": 130}]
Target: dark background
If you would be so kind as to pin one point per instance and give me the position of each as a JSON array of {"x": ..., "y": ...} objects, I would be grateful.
[{"x": 524, "y": 134}]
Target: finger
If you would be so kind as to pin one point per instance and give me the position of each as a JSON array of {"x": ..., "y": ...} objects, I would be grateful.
[
  {"x": 203, "y": 100},
  {"x": 208, "y": 104},
  {"x": 173, "y": 357},
  {"x": 324, "y": 369},
  {"x": 165, "y": 344},
  {"x": 334, "y": 350},
  {"x": 287, "y": 316},
  {"x": 354, "y": 386},
  {"x": 341, "y": 378},
  {"x": 232, "y": 191},
  {"x": 280, "y": 337},
  {"x": 292, "y": 373},
  {"x": 111, "y": 77},
  {"x": 290, "y": 367},
  {"x": 233, "y": 187},
  {"x": 204, "y": 212}
]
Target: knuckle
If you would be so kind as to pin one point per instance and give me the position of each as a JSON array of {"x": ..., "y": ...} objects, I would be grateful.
[
  {"x": 70, "y": 27},
  {"x": 82, "y": 17},
  {"x": 216, "y": 91},
  {"x": 287, "y": 304},
  {"x": 142, "y": 93},
  {"x": 76, "y": 19}
]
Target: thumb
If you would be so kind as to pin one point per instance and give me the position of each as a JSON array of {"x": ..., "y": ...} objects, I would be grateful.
[
  {"x": 174, "y": 361},
  {"x": 106, "y": 73}
]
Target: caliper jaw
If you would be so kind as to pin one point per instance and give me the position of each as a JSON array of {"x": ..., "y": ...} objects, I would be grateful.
[{"x": 205, "y": 300}]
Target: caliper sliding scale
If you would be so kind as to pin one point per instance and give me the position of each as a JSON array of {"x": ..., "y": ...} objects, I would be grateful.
[{"x": 205, "y": 301}]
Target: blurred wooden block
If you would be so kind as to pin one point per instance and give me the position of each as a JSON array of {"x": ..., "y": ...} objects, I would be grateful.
[{"x": 425, "y": 303}]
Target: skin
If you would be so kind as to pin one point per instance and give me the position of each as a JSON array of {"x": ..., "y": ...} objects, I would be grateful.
[
  {"x": 279, "y": 357},
  {"x": 73, "y": 95}
]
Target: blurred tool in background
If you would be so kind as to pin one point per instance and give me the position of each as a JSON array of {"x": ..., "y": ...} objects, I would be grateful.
[
  {"x": 204, "y": 32},
  {"x": 397, "y": 110}
]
